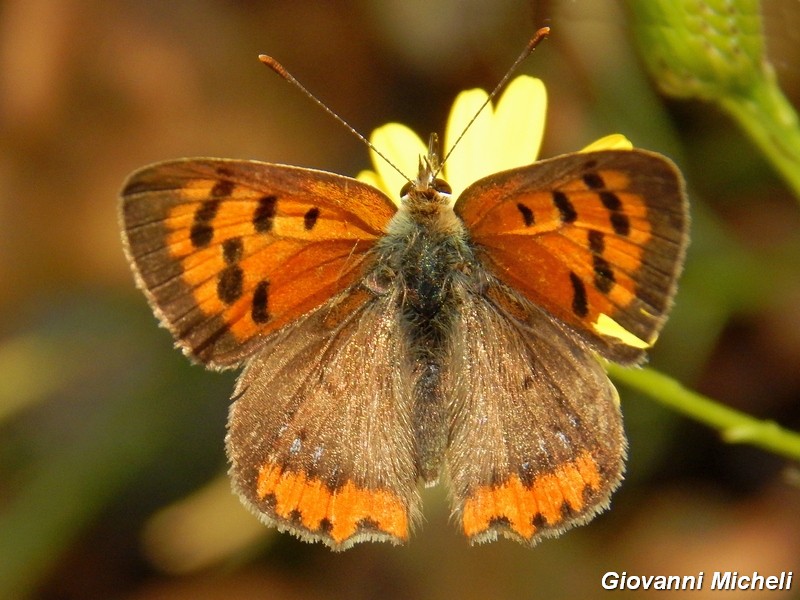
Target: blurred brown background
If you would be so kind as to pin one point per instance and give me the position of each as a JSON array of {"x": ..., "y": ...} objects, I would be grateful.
[{"x": 111, "y": 445}]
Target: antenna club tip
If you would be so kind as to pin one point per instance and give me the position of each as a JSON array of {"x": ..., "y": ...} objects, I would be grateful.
[
  {"x": 273, "y": 64},
  {"x": 540, "y": 34}
]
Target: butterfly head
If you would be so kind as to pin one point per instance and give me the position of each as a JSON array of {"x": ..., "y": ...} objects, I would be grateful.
[{"x": 428, "y": 187}]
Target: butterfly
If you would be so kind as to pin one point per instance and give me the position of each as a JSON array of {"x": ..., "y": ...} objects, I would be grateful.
[{"x": 383, "y": 346}]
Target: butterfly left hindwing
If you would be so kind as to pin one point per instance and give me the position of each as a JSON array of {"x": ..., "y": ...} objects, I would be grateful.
[{"x": 319, "y": 435}]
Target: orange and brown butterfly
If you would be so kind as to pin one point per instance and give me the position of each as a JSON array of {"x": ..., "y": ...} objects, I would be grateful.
[{"x": 388, "y": 343}]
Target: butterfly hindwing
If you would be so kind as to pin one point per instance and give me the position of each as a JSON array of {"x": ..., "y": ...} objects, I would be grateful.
[
  {"x": 228, "y": 251},
  {"x": 536, "y": 439},
  {"x": 597, "y": 239},
  {"x": 319, "y": 436}
]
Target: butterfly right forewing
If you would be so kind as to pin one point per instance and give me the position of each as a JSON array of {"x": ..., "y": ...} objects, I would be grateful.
[{"x": 597, "y": 239}]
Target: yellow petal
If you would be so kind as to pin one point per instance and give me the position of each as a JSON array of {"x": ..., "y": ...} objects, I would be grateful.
[
  {"x": 471, "y": 158},
  {"x": 401, "y": 146},
  {"x": 372, "y": 178},
  {"x": 519, "y": 123},
  {"x": 615, "y": 141},
  {"x": 607, "y": 326}
]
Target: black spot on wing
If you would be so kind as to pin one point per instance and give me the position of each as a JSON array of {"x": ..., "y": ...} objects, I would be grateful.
[
  {"x": 229, "y": 284},
  {"x": 527, "y": 214},
  {"x": 202, "y": 232},
  {"x": 594, "y": 181},
  {"x": 222, "y": 188},
  {"x": 232, "y": 250},
  {"x": 603, "y": 275},
  {"x": 264, "y": 216},
  {"x": 580, "y": 302},
  {"x": 566, "y": 210},
  {"x": 310, "y": 218},
  {"x": 260, "y": 309}
]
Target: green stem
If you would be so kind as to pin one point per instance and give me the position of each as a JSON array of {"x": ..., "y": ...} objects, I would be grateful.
[
  {"x": 735, "y": 426},
  {"x": 771, "y": 122},
  {"x": 714, "y": 51}
]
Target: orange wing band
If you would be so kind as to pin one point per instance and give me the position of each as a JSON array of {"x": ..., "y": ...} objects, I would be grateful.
[
  {"x": 520, "y": 507},
  {"x": 338, "y": 513}
]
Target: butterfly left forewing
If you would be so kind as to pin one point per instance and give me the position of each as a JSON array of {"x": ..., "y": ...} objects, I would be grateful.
[
  {"x": 229, "y": 251},
  {"x": 536, "y": 442},
  {"x": 596, "y": 238}
]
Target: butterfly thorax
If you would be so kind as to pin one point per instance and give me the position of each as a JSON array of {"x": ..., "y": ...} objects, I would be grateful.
[
  {"x": 426, "y": 260},
  {"x": 426, "y": 249}
]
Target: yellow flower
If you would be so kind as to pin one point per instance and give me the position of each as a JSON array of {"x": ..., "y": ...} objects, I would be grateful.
[{"x": 502, "y": 137}]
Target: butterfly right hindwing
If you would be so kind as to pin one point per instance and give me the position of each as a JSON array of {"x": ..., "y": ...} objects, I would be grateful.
[{"x": 536, "y": 438}]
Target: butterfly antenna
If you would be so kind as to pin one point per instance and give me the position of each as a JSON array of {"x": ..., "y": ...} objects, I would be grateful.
[
  {"x": 540, "y": 35},
  {"x": 281, "y": 70}
]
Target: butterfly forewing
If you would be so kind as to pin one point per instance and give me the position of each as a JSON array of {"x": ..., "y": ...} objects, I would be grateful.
[
  {"x": 228, "y": 251},
  {"x": 587, "y": 236}
]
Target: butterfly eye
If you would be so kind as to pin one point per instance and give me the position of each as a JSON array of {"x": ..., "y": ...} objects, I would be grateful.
[{"x": 441, "y": 186}]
